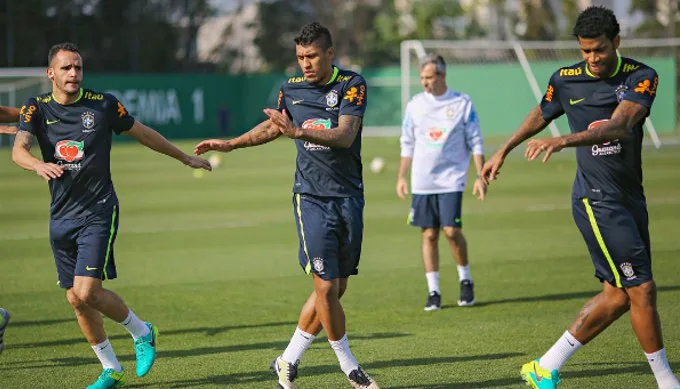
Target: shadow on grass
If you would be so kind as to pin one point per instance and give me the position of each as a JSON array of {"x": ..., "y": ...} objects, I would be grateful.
[
  {"x": 208, "y": 331},
  {"x": 29, "y": 323},
  {"x": 266, "y": 376},
  {"x": 554, "y": 297},
  {"x": 276, "y": 347}
]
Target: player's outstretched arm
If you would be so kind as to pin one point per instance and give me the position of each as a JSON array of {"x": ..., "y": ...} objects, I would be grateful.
[
  {"x": 21, "y": 155},
  {"x": 340, "y": 137},
  {"x": 9, "y": 114},
  {"x": 532, "y": 125},
  {"x": 624, "y": 118},
  {"x": 157, "y": 142},
  {"x": 264, "y": 132}
]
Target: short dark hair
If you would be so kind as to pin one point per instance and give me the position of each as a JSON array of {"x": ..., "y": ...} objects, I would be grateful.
[
  {"x": 313, "y": 32},
  {"x": 437, "y": 60},
  {"x": 65, "y": 46},
  {"x": 595, "y": 21}
]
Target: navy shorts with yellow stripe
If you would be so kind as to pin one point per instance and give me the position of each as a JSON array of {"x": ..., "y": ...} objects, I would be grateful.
[
  {"x": 84, "y": 247},
  {"x": 331, "y": 232},
  {"x": 617, "y": 236},
  {"x": 436, "y": 210}
]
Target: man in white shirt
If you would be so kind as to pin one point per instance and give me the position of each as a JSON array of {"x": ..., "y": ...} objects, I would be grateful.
[{"x": 440, "y": 131}]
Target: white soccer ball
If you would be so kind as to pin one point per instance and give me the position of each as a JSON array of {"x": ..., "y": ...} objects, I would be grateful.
[
  {"x": 377, "y": 164},
  {"x": 215, "y": 161}
]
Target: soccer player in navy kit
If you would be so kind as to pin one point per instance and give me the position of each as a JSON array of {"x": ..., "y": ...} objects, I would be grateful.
[
  {"x": 74, "y": 128},
  {"x": 322, "y": 112},
  {"x": 606, "y": 99}
]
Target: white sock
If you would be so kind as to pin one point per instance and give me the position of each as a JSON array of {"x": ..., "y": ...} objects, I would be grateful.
[
  {"x": 135, "y": 327},
  {"x": 662, "y": 372},
  {"x": 299, "y": 343},
  {"x": 558, "y": 354},
  {"x": 347, "y": 361},
  {"x": 106, "y": 356},
  {"x": 433, "y": 281},
  {"x": 464, "y": 273}
]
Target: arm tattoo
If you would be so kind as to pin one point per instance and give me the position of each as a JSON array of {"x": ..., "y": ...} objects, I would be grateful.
[
  {"x": 532, "y": 125},
  {"x": 341, "y": 136},
  {"x": 261, "y": 134},
  {"x": 24, "y": 139},
  {"x": 624, "y": 118}
]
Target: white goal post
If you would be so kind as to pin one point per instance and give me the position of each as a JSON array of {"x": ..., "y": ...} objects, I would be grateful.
[
  {"x": 487, "y": 69},
  {"x": 18, "y": 84}
]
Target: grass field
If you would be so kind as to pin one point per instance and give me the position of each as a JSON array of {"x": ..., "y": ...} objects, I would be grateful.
[{"x": 213, "y": 263}]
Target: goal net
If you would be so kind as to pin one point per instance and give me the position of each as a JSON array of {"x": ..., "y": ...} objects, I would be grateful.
[
  {"x": 506, "y": 79},
  {"x": 17, "y": 85}
]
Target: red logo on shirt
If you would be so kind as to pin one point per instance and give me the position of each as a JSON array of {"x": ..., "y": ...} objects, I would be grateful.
[
  {"x": 69, "y": 150},
  {"x": 317, "y": 124},
  {"x": 435, "y": 133}
]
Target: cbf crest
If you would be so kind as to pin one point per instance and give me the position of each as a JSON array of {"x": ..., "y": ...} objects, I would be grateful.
[
  {"x": 318, "y": 264},
  {"x": 620, "y": 92},
  {"x": 88, "y": 120},
  {"x": 332, "y": 98},
  {"x": 627, "y": 270}
]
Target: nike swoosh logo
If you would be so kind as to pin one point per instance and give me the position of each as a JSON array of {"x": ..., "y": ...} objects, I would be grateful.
[
  {"x": 90, "y": 268},
  {"x": 298, "y": 101},
  {"x": 538, "y": 376},
  {"x": 571, "y": 344},
  {"x": 574, "y": 102},
  {"x": 52, "y": 121}
]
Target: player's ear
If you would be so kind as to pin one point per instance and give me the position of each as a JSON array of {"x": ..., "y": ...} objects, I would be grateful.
[
  {"x": 617, "y": 42},
  {"x": 50, "y": 73},
  {"x": 330, "y": 52}
]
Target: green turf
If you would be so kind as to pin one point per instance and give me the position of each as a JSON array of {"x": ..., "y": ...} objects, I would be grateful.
[{"x": 213, "y": 263}]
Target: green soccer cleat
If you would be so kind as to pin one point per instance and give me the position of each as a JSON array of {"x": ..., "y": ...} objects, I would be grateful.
[
  {"x": 109, "y": 379},
  {"x": 538, "y": 377},
  {"x": 145, "y": 348},
  {"x": 4, "y": 320}
]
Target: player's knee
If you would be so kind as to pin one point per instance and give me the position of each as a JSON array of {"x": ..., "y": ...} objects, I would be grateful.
[
  {"x": 643, "y": 295},
  {"x": 74, "y": 300},
  {"x": 342, "y": 287},
  {"x": 86, "y": 295},
  {"x": 327, "y": 289},
  {"x": 430, "y": 234},
  {"x": 454, "y": 234}
]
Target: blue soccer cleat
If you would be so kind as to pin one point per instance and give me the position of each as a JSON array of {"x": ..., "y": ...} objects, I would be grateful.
[
  {"x": 109, "y": 379},
  {"x": 538, "y": 377},
  {"x": 145, "y": 348}
]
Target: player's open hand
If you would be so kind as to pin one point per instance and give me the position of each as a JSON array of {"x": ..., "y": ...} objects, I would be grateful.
[
  {"x": 283, "y": 122},
  {"x": 8, "y": 130},
  {"x": 213, "y": 145},
  {"x": 402, "y": 188},
  {"x": 492, "y": 168},
  {"x": 49, "y": 171},
  {"x": 479, "y": 189},
  {"x": 197, "y": 163},
  {"x": 548, "y": 145}
]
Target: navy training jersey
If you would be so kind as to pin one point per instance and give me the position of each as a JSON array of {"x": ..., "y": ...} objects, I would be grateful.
[
  {"x": 322, "y": 170},
  {"x": 613, "y": 170},
  {"x": 78, "y": 137}
]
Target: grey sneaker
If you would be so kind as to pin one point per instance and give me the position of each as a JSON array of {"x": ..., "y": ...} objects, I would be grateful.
[
  {"x": 467, "y": 294},
  {"x": 4, "y": 320}
]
